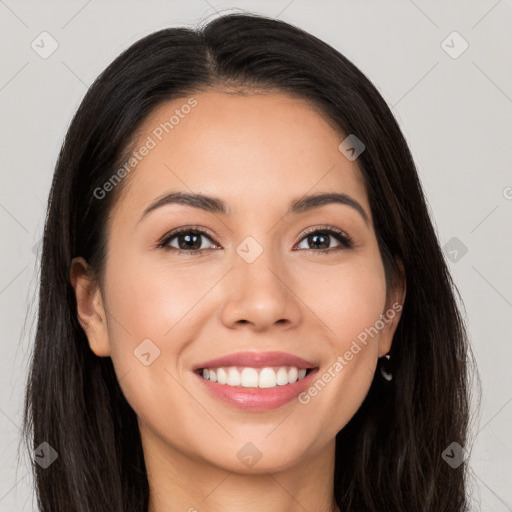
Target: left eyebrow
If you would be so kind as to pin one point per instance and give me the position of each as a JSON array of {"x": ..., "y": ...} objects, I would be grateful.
[
  {"x": 317, "y": 200},
  {"x": 218, "y": 206}
]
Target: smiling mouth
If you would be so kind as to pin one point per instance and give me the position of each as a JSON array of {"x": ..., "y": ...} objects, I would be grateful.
[{"x": 248, "y": 377}]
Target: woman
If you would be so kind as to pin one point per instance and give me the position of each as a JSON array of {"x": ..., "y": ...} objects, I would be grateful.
[{"x": 243, "y": 302}]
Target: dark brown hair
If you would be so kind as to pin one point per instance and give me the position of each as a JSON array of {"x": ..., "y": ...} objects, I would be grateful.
[{"x": 389, "y": 456}]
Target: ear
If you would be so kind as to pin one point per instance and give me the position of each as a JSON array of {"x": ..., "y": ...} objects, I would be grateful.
[
  {"x": 91, "y": 313},
  {"x": 393, "y": 311}
]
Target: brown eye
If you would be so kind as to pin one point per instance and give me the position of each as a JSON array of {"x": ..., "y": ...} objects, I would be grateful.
[
  {"x": 188, "y": 240},
  {"x": 319, "y": 240}
]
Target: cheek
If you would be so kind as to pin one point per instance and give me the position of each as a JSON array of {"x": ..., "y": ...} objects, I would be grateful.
[
  {"x": 150, "y": 299},
  {"x": 347, "y": 298},
  {"x": 150, "y": 331},
  {"x": 150, "y": 322},
  {"x": 361, "y": 301}
]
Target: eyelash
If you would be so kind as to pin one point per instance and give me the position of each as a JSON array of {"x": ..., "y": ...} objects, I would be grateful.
[{"x": 338, "y": 234}]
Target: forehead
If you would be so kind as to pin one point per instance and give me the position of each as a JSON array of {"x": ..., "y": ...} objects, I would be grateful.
[{"x": 252, "y": 150}]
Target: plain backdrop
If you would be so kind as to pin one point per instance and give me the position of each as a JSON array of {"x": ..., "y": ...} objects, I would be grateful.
[{"x": 451, "y": 94}]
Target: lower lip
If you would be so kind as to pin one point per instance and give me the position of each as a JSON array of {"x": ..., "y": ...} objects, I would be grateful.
[{"x": 258, "y": 399}]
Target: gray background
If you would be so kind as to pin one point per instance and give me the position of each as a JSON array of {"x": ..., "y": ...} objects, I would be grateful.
[{"x": 456, "y": 114}]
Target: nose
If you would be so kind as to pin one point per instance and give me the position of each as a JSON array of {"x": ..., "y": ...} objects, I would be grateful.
[{"x": 259, "y": 295}]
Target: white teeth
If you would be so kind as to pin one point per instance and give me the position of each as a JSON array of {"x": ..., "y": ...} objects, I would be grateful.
[
  {"x": 268, "y": 377},
  {"x": 233, "y": 377},
  {"x": 221, "y": 376},
  {"x": 282, "y": 376},
  {"x": 249, "y": 378}
]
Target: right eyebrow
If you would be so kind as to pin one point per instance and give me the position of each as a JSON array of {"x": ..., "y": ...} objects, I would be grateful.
[{"x": 202, "y": 201}]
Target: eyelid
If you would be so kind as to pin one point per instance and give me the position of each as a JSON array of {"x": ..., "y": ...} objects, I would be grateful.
[{"x": 325, "y": 227}]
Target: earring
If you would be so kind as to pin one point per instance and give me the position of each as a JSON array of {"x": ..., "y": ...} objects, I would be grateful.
[{"x": 385, "y": 368}]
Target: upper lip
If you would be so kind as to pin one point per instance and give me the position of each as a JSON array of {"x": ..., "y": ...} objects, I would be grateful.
[{"x": 256, "y": 360}]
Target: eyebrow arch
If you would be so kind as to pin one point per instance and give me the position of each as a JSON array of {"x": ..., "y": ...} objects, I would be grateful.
[
  {"x": 218, "y": 206},
  {"x": 310, "y": 202}
]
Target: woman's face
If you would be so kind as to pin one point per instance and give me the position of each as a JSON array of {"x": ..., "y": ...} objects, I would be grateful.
[{"x": 254, "y": 283}]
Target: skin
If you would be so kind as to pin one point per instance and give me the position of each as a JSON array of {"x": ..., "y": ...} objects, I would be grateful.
[{"x": 242, "y": 149}]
